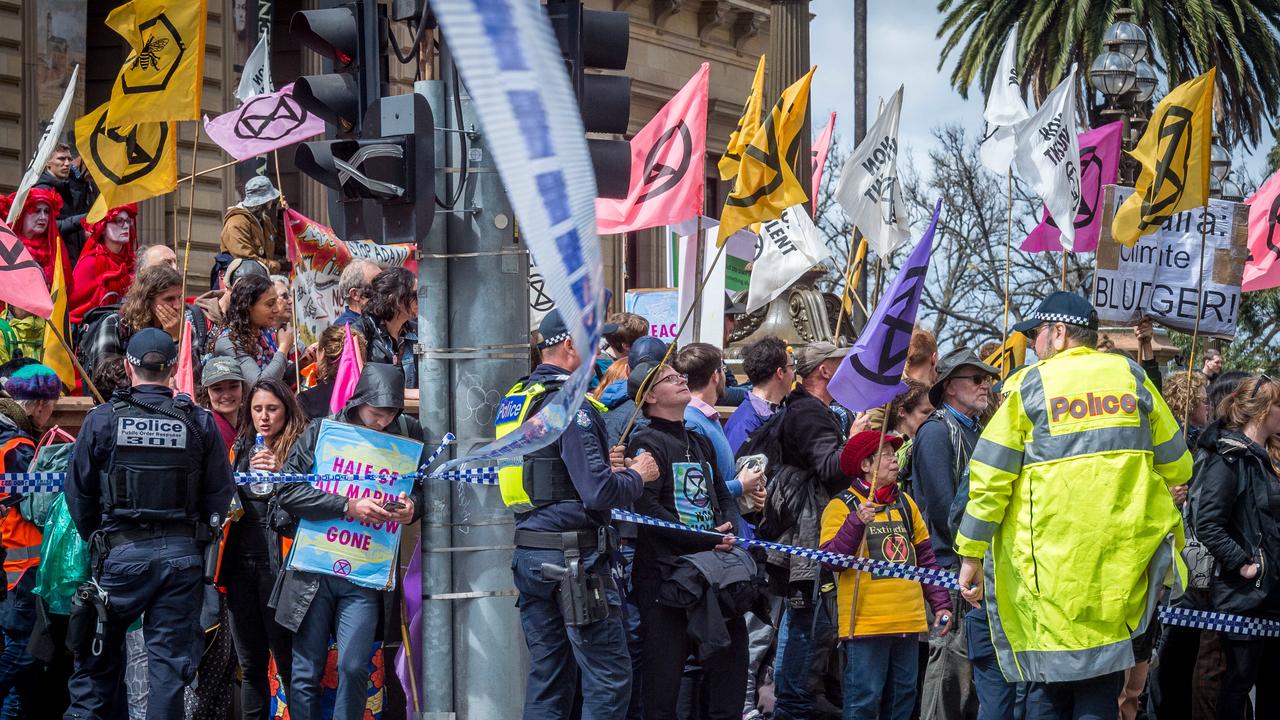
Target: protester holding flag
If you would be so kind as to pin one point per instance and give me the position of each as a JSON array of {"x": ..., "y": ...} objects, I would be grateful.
[
  {"x": 250, "y": 336},
  {"x": 390, "y": 322},
  {"x": 106, "y": 267},
  {"x": 248, "y": 228},
  {"x": 251, "y": 557},
  {"x": 38, "y": 230},
  {"x": 312, "y": 605}
]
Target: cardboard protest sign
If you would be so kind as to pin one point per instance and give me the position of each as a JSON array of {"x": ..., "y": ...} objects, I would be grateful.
[
  {"x": 362, "y": 553},
  {"x": 1157, "y": 276},
  {"x": 660, "y": 306}
]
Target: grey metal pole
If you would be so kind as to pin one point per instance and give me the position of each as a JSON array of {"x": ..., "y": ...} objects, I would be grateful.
[
  {"x": 860, "y": 124},
  {"x": 489, "y": 337},
  {"x": 436, "y": 643}
]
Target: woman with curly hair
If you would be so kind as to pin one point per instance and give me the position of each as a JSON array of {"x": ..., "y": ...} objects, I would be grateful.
[
  {"x": 315, "y": 400},
  {"x": 153, "y": 300},
  {"x": 250, "y": 336},
  {"x": 390, "y": 322}
]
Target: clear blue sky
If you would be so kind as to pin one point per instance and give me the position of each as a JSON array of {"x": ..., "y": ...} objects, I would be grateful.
[{"x": 902, "y": 49}]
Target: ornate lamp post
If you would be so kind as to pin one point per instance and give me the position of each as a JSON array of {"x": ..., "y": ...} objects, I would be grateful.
[{"x": 1127, "y": 82}]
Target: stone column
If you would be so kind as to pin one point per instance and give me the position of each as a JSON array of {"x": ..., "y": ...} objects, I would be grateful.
[{"x": 788, "y": 62}]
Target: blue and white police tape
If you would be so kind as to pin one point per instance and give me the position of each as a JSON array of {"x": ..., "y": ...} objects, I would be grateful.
[{"x": 1185, "y": 617}]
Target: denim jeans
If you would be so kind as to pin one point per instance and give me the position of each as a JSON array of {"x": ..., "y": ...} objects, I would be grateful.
[
  {"x": 880, "y": 677},
  {"x": 792, "y": 665},
  {"x": 597, "y": 654},
  {"x": 256, "y": 633},
  {"x": 1096, "y": 698},
  {"x": 996, "y": 696},
  {"x": 17, "y": 618},
  {"x": 350, "y": 613},
  {"x": 160, "y": 580}
]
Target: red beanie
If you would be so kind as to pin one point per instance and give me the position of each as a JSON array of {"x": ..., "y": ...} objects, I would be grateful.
[{"x": 862, "y": 446}]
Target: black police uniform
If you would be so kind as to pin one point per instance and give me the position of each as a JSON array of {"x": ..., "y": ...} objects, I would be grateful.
[
  {"x": 148, "y": 471},
  {"x": 581, "y": 489}
]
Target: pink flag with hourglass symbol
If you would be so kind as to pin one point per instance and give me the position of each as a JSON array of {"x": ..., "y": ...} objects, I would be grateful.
[{"x": 349, "y": 367}]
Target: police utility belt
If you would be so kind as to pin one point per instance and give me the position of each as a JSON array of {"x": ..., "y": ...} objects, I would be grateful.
[{"x": 581, "y": 592}]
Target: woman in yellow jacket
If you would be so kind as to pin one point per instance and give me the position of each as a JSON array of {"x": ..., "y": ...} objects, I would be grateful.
[{"x": 880, "y": 618}]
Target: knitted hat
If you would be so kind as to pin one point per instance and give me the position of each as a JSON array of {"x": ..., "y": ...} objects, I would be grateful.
[
  {"x": 862, "y": 446},
  {"x": 34, "y": 382}
]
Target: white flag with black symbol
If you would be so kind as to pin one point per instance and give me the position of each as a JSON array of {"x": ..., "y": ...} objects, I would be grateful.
[
  {"x": 1048, "y": 156},
  {"x": 1005, "y": 110},
  {"x": 789, "y": 247},
  {"x": 869, "y": 190},
  {"x": 256, "y": 78}
]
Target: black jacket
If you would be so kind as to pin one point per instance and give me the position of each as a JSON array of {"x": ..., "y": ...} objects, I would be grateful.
[
  {"x": 812, "y": 440},
  {"x": 1233, "y": 518},
  {"x": 670, "y": 442}
]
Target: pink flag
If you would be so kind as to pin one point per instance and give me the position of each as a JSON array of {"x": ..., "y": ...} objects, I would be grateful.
[
  {"x": 186, "y": 378},
  {"x": 21, "y": 278},
  {"x": 264, "y": 123},
  {"x": 820, "y": 148},
  {"x": 667, "y": 169},
  {"x": 1262, "y": 269},
  {"x": 1099, "y": 167},
  {"x": 349, "y": 367}
]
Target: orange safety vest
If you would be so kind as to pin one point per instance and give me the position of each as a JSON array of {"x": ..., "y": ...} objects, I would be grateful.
[{"x": 20, "y": 537}]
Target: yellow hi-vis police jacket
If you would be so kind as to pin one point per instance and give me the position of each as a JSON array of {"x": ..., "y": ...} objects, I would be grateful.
[{"x": 1069, "y": 486}]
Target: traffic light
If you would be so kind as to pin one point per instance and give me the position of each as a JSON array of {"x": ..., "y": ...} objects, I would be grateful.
[
  {"x": 347, "y": 38},
  {"x": 598, "y": 39}
]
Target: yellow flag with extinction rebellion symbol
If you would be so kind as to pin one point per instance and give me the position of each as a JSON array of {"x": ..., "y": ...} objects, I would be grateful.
[
  {"x": 748, "y": 124},
  {"x": 766, "y": 184},
  {"x": 1174, "y": 153},
  {"x": 129, "y": 163},
  {"x": 162, "y": 76},
  {"x": 1010, "y": 356}
]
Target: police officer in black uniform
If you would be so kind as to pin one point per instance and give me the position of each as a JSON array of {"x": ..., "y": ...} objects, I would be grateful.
[
  {"x": 148, "y": 475},
  {"x": 570, "y": 609}
]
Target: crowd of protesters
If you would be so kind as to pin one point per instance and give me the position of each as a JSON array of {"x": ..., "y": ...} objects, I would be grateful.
[{"x": 929, "y": 480}]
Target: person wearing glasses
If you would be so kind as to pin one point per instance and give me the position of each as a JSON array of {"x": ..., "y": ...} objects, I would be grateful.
[
  {"x": 940, "y": 454},
  {"x": 1236, "y": 510},
  {"x": 1069, "y": 491},
  {"x": 689, "y": 490}
]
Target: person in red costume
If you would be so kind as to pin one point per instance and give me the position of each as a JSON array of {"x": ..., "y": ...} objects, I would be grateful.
[
  {"x": 106, "y": 267},
  {"x": 38, "y": 230}
]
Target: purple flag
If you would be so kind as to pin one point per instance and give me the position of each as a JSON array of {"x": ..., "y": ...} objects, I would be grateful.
[
  {"x": 264, "y": 123},
  {"x": 871, "y": 374},
  {"x": 412, "y": 599},
  {"x": 1099, "y": 167}
]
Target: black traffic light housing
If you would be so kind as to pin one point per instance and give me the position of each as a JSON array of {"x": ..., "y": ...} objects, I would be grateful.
[
  {"x": 348, "y": 38},
  {"x": 598, "y": 39}
]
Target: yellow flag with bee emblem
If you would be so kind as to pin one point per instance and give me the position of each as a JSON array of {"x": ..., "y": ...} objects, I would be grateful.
[{"x": 162, "y": 76}]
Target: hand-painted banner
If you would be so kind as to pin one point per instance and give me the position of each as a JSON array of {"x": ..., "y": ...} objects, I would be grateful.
[
  {"x": 667, "y": 175},
  {"x": 1158, "y": 276},
  {"x": 1099, "y": 167},
  {"x": 318, "y": 257},
  {"x": 511, "y": 64},
  {"x": 262, "y": 124},
  {"x": 363, "y": 553},
  {"x": 871, "y": 374},
  {"x": 1262, "y": 271},
  {"x": 44, "y": 149}
]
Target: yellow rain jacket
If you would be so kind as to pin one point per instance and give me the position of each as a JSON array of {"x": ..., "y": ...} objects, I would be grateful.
[{"x": 1069, "y": 487}]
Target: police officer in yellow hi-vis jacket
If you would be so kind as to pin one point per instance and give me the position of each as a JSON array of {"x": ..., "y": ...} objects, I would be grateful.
[
  {"x": 570, "y": 607},
  {"x": 1069, "y": 486}
]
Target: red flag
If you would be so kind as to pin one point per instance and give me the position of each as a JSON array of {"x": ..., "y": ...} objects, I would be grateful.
[
  {"x": 186, "y": 377},
  {"x": 820, "y": 148},
  {"x": 1262, "y": 270},
  {"x": 22, "y": 281},
  {"x": 667, "y": 173}
]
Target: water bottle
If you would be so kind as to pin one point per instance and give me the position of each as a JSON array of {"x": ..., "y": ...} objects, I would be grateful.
[{"x": 259, "y": 489}]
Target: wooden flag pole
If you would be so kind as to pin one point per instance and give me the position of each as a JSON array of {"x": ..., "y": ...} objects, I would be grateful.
[
  {"x": 72, "y": 355},
  {"x": 408, "y": 653},
  {"x": 206, "y": 171},
  {"x": 871, "y": 496},
  {"x": 1195, "y": 329},
  {"x": 644, "y": 386},
  {"x": 191, "y": 210},
  {"x": 848, "y": 268},
  {"x": 293, "y": 276},
  {"x": 1008, "y": 260},
  {"x": 1064, "y": 269}
]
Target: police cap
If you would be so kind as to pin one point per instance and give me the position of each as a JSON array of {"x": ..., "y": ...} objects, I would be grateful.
[
  {"x": 1061, "y": 307},
  {"x": 151, "y": 349}
]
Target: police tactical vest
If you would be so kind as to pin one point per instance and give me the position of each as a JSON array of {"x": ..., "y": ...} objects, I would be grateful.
[
  {"x": 542, "y": 479},
  {"x": 154, "y": 474}
]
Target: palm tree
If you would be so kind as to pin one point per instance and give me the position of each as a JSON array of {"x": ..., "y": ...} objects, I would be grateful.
[{"x": 1187, "y": 36}]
